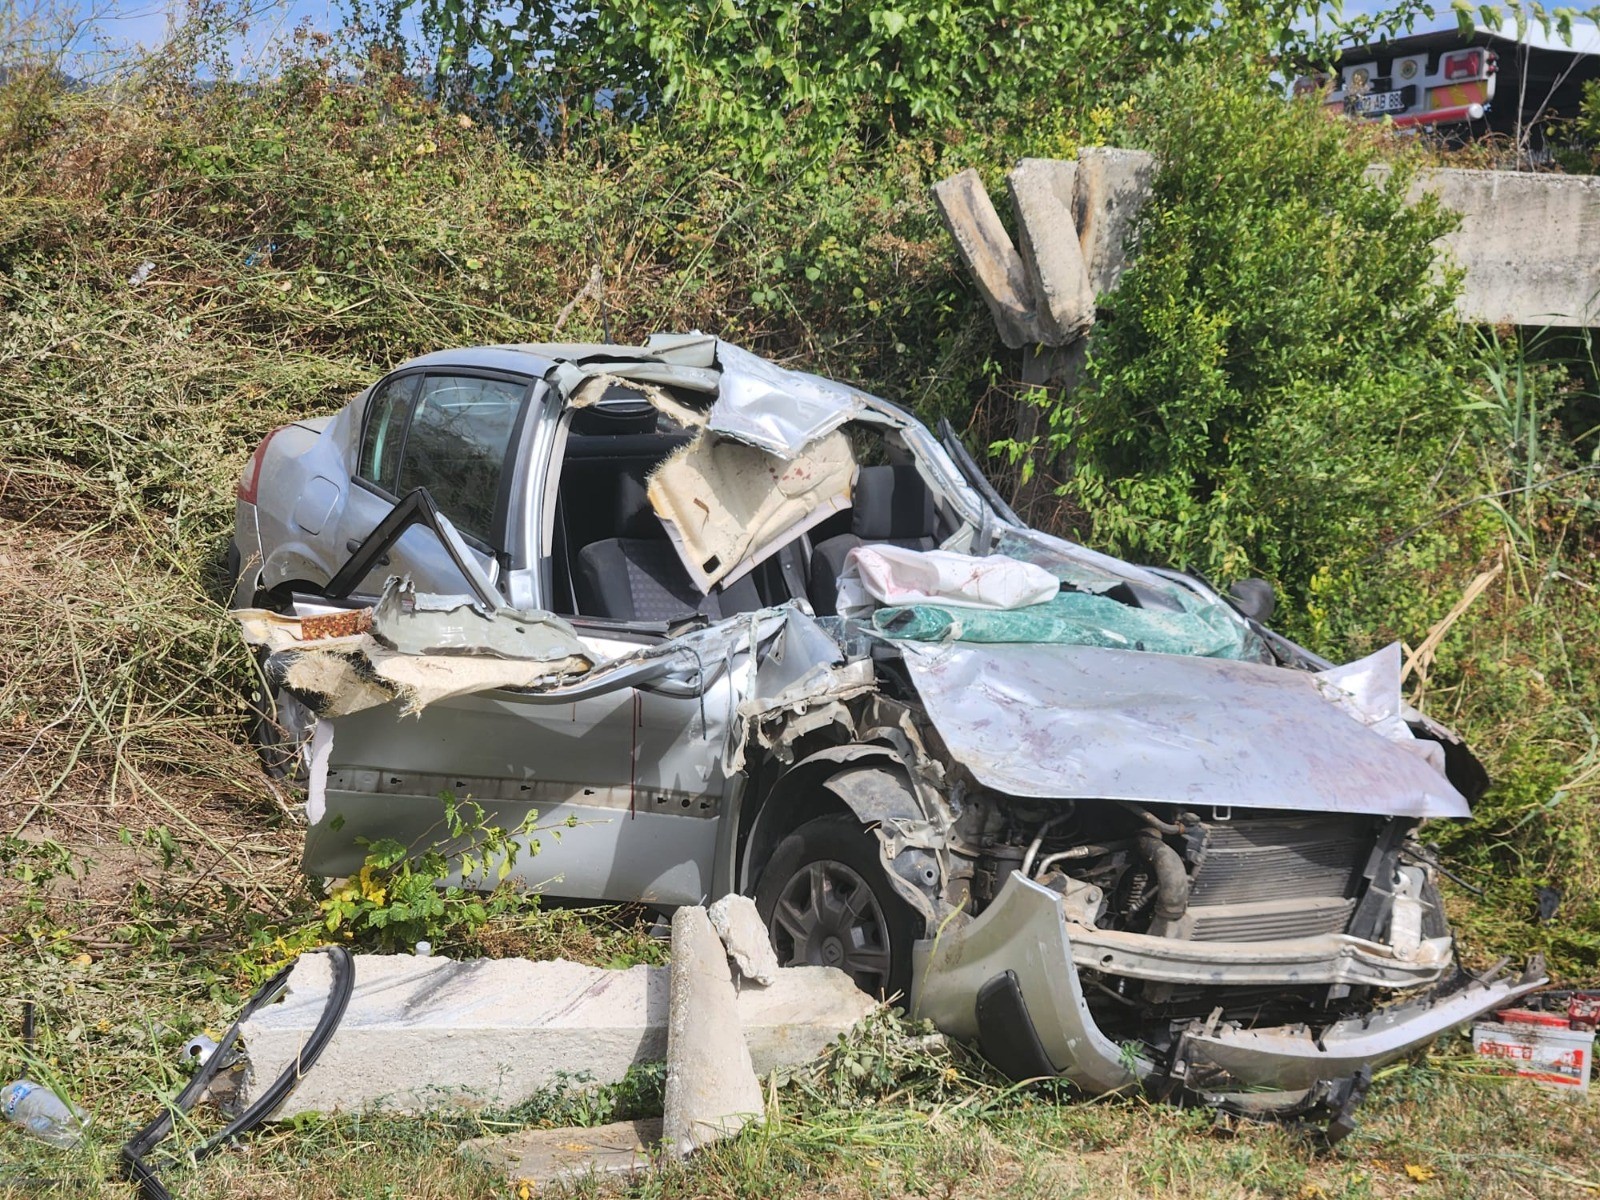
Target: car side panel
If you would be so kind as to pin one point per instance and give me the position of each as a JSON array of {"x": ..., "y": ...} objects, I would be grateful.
[
  {"x": 296, "y": 457},
  {"x": 627, "y": 786}
]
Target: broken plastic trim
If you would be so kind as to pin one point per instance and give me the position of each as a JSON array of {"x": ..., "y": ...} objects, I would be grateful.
[
  {"x": 417, "y": 507},
  {"x": 976, "y": 478},
  {"x": 1025, "y": 932}
]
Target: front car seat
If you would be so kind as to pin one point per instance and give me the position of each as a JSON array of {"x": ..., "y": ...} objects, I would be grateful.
[{"x": 891, "y": 504}]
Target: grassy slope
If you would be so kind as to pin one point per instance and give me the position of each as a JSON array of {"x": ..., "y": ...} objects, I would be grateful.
[{"x": 304, "y": 237}]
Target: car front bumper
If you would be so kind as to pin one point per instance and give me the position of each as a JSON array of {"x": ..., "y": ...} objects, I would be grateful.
[{"x": 1008, "y": 981}]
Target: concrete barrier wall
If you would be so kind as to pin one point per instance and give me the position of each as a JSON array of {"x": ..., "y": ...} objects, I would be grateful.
[{"x": 1529, "y": 244}]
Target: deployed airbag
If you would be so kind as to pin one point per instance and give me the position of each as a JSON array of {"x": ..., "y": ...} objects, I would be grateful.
[{"x": 895, "y": 575}]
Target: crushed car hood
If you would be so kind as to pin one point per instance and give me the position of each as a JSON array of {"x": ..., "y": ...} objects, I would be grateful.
[{"x": 1084, "y": 722}]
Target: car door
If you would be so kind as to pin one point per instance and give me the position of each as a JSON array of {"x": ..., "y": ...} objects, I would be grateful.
[
  {"x": 627, "y": 785},
  {"x": 455, "y": 433}
]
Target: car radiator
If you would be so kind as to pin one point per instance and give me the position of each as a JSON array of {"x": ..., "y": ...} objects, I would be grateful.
[{"x": 1273, "y": 878}]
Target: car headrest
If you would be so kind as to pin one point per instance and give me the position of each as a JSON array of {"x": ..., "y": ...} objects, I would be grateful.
[
  {"x": 635, "y": 517},
  {"x": 891, "y": 503}
]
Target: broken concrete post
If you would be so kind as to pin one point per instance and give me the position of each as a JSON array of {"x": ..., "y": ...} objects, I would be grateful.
[
  {"x": 1113, "y": 186},
  {"x": 712, "y": 1090},
  {"x": 996, "y": 266},
  {"x": 428, "y": 1033},
  {"x": 743, "y": 935},
  {"x": 1043, "y": 194}
]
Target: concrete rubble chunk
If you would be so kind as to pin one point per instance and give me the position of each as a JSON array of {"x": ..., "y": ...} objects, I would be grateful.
[
  {"x": 1043, "y": 195},
  {"x": 429, "y": 1033},
  {"x": 739, "y": 925},
  {"x": 985, "y": 247},
  {"x": 1113, "y": 186},
  {"x": 542, "y": 1156},
  {"x": 712, "y": 1090}
]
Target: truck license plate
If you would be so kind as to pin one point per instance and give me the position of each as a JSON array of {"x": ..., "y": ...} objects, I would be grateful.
[{"x": 1382, "y": 102}]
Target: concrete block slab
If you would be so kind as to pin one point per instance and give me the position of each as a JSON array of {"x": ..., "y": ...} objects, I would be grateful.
[
  {"x": 425, "y": 1033},
  {"x": 542, "y": 1156},
  {"x": 1043, "y": 194},
  {"x": 712, "y": 1090},
  {"x": 1526, "y": 242}
]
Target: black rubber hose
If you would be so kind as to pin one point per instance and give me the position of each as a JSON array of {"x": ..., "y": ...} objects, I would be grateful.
[
  {"x": 1172, "y": 881},
  {"x": 134, "y": 1167},
  {"x": 1150, "y": 819}
]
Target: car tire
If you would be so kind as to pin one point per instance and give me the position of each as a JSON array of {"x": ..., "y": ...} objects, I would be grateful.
[
  {"x": 278, "y": 726},
  {"x": 1434, "y": 923},
  {"x": 826, "y": 901}
]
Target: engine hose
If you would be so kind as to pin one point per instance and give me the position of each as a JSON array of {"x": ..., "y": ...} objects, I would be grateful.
[
  {"x": 1172, "y": 882},
  {"x": 1150, "y": 819},
  {"x": 1038, "y": 841},
  {"x": 142, "y": 1173}
]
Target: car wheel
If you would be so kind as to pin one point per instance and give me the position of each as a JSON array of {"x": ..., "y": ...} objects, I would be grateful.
[
  {"x": 279, "y": 728},
  {"x": 826, "y": 901},
  {"x": 1434, "y": 923}
]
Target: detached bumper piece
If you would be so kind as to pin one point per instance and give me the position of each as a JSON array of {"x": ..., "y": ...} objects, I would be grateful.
[{"x": 1008, "y": 982}]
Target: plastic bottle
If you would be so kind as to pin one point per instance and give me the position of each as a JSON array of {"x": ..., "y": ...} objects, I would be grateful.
[{"x": 41, "y": 1112}]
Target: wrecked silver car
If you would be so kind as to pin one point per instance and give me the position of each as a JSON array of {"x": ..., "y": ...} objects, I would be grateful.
[{"x": 733, "y": 627}]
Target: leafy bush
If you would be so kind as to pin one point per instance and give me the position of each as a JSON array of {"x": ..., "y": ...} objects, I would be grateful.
[
  {"x": 405, "y": 894},
  {"x": 768, "y": 73},
  {"x": 982, "y": 79},
  {"x": 1517, "y": 672},
  {"x": 1277, "y": 373}
]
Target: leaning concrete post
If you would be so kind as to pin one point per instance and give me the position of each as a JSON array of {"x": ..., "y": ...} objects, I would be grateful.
[
  {"x": 1043, "y": 197},
  {"x": 996, "y": 266},
  {"x": 712, "y": 1090},
  {"x": 1113, "y": 186}
]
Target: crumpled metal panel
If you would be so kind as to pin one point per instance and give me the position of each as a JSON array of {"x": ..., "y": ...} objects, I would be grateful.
[
  {"x": 778, "y": 410},
  {"x": 1083, "y": 722},
  {"x": 417, "y": 623}
]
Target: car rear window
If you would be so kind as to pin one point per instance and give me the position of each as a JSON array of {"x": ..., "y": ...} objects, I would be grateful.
[
  {"x": 461, "y": 429},
  {"x": 385, "y": 431}
]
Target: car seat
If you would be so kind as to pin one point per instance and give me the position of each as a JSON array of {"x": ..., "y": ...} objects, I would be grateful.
[
  {"x": 639, "y": 576},
  {"x": 891, "y": 504}
]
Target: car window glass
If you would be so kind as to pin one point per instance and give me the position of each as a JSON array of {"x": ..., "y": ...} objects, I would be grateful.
[
  {"x": 460, "y": 431},
  {"x": 386, "y": 427}
]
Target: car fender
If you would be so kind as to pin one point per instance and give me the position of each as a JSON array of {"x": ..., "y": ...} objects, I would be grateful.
[
  {"x": 292, "y": 561},
  {"x": 872, "y": 783}
]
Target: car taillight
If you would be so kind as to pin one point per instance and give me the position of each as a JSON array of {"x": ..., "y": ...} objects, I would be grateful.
[
  {"x": 1462, "y": 66},
  {"x": 250, "y": 481}
]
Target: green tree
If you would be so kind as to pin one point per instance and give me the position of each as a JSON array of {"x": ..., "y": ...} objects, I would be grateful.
[{"x": 826, "y": 73}]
